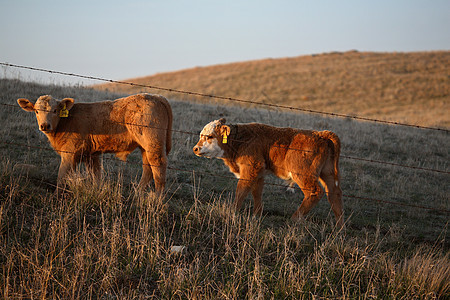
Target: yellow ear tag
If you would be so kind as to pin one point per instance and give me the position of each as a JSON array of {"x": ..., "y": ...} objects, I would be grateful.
[
  {"x": 63, "y": 113},
  {"x": 225, "y": 138}
]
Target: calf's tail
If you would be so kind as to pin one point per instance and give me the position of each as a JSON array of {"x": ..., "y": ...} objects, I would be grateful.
[
  {"x": 169, "y": 126},
  {"x": 331, "y": 136},
  {"x": 169, "y": 138}
]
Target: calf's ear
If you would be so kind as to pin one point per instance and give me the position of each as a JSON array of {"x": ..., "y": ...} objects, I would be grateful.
[
  {"x": 26, "y": 104},
  {"x": 68, "y": 102},
  {"x": 225, "y": 130}
]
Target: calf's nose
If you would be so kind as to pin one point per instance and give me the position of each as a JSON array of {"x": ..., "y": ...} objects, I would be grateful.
[
  {"x": 44, "y": 127},
  {"x": 196, "y": 149}
]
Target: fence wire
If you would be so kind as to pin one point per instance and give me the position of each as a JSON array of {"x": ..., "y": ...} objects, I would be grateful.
[
  {"x": 232, "y": 99},
  {"x": 210, "y": 174},
  {"x": 287, "y": 148}
]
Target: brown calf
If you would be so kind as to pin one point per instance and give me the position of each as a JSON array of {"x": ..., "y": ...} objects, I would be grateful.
[
  {"x": 305, "y": 157},
  {"x": 80, "y": 132}
]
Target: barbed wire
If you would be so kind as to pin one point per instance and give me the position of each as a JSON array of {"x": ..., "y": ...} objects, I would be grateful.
[
  {"x": 210, "y": 174},
  {"x": 233, "y": 99},
  {"x": 255, "y": 103},
  {"x": 286, "y": 148},
  {"x": 394, "y": 164}
]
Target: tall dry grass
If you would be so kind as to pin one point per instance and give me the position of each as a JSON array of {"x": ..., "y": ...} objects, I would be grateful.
[{"x": 98, "y": 243}]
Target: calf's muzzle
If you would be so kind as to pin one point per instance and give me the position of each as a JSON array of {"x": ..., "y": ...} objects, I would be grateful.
[
  {"x": 45, "y": 127},
  {"x": 196, "y": 150}
]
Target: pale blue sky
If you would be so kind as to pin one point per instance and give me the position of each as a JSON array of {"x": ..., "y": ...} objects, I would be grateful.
[{"x": 132, "y": 38}]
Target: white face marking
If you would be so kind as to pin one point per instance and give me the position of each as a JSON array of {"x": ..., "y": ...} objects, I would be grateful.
[
  {"x": 211, "y": 149},
  {"x": 208, "y": 144},
  {"x": 209, "y": 128}
]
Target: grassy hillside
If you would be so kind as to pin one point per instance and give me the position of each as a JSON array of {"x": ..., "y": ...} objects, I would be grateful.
[
  {"x": 102, "y": 240},
  {"x": 404, "y": 87}
]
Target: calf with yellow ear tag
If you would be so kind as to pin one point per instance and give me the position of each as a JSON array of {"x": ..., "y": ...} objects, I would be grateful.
[
  {"x": 48, "y": 111},
  {"x": 81, "y": 132},
  {"x": 213, "y": 135},
  {"x": 307, "y": 158}
]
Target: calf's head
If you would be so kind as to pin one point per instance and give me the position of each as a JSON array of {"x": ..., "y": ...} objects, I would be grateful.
[
  {"x": 212, "y": 138},
  {"x": 48, "y": 111}
]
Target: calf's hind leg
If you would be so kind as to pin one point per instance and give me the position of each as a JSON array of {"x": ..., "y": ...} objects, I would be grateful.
[
  {"x": 334, "y": 196},
  {"x": 154, "y": 166},
  {"x": 313, "y": 193},
  {"x": 147, "y": 174}
]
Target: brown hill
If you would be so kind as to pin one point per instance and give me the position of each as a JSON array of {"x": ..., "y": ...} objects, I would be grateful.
[{"x": 405, "y": 87}]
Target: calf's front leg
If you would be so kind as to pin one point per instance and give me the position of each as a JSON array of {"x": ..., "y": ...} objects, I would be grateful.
[
  {"x": 67, "y": 165},
  {"x": 250, "y": 179},
  {"x": 93, "y": 166},
  {"x": 257, "y": 189},
  {"x": 242, "y": 190}
]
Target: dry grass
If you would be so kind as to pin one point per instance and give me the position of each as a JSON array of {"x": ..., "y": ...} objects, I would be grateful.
[
  {"x": 404, "y": 87},
  {"x": 102, "y": 240}
]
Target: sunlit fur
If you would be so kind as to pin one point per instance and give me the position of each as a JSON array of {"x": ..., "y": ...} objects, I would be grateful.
[
  {"x": 307, "y": 158},
  {"x": 141, "y": 121}
]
